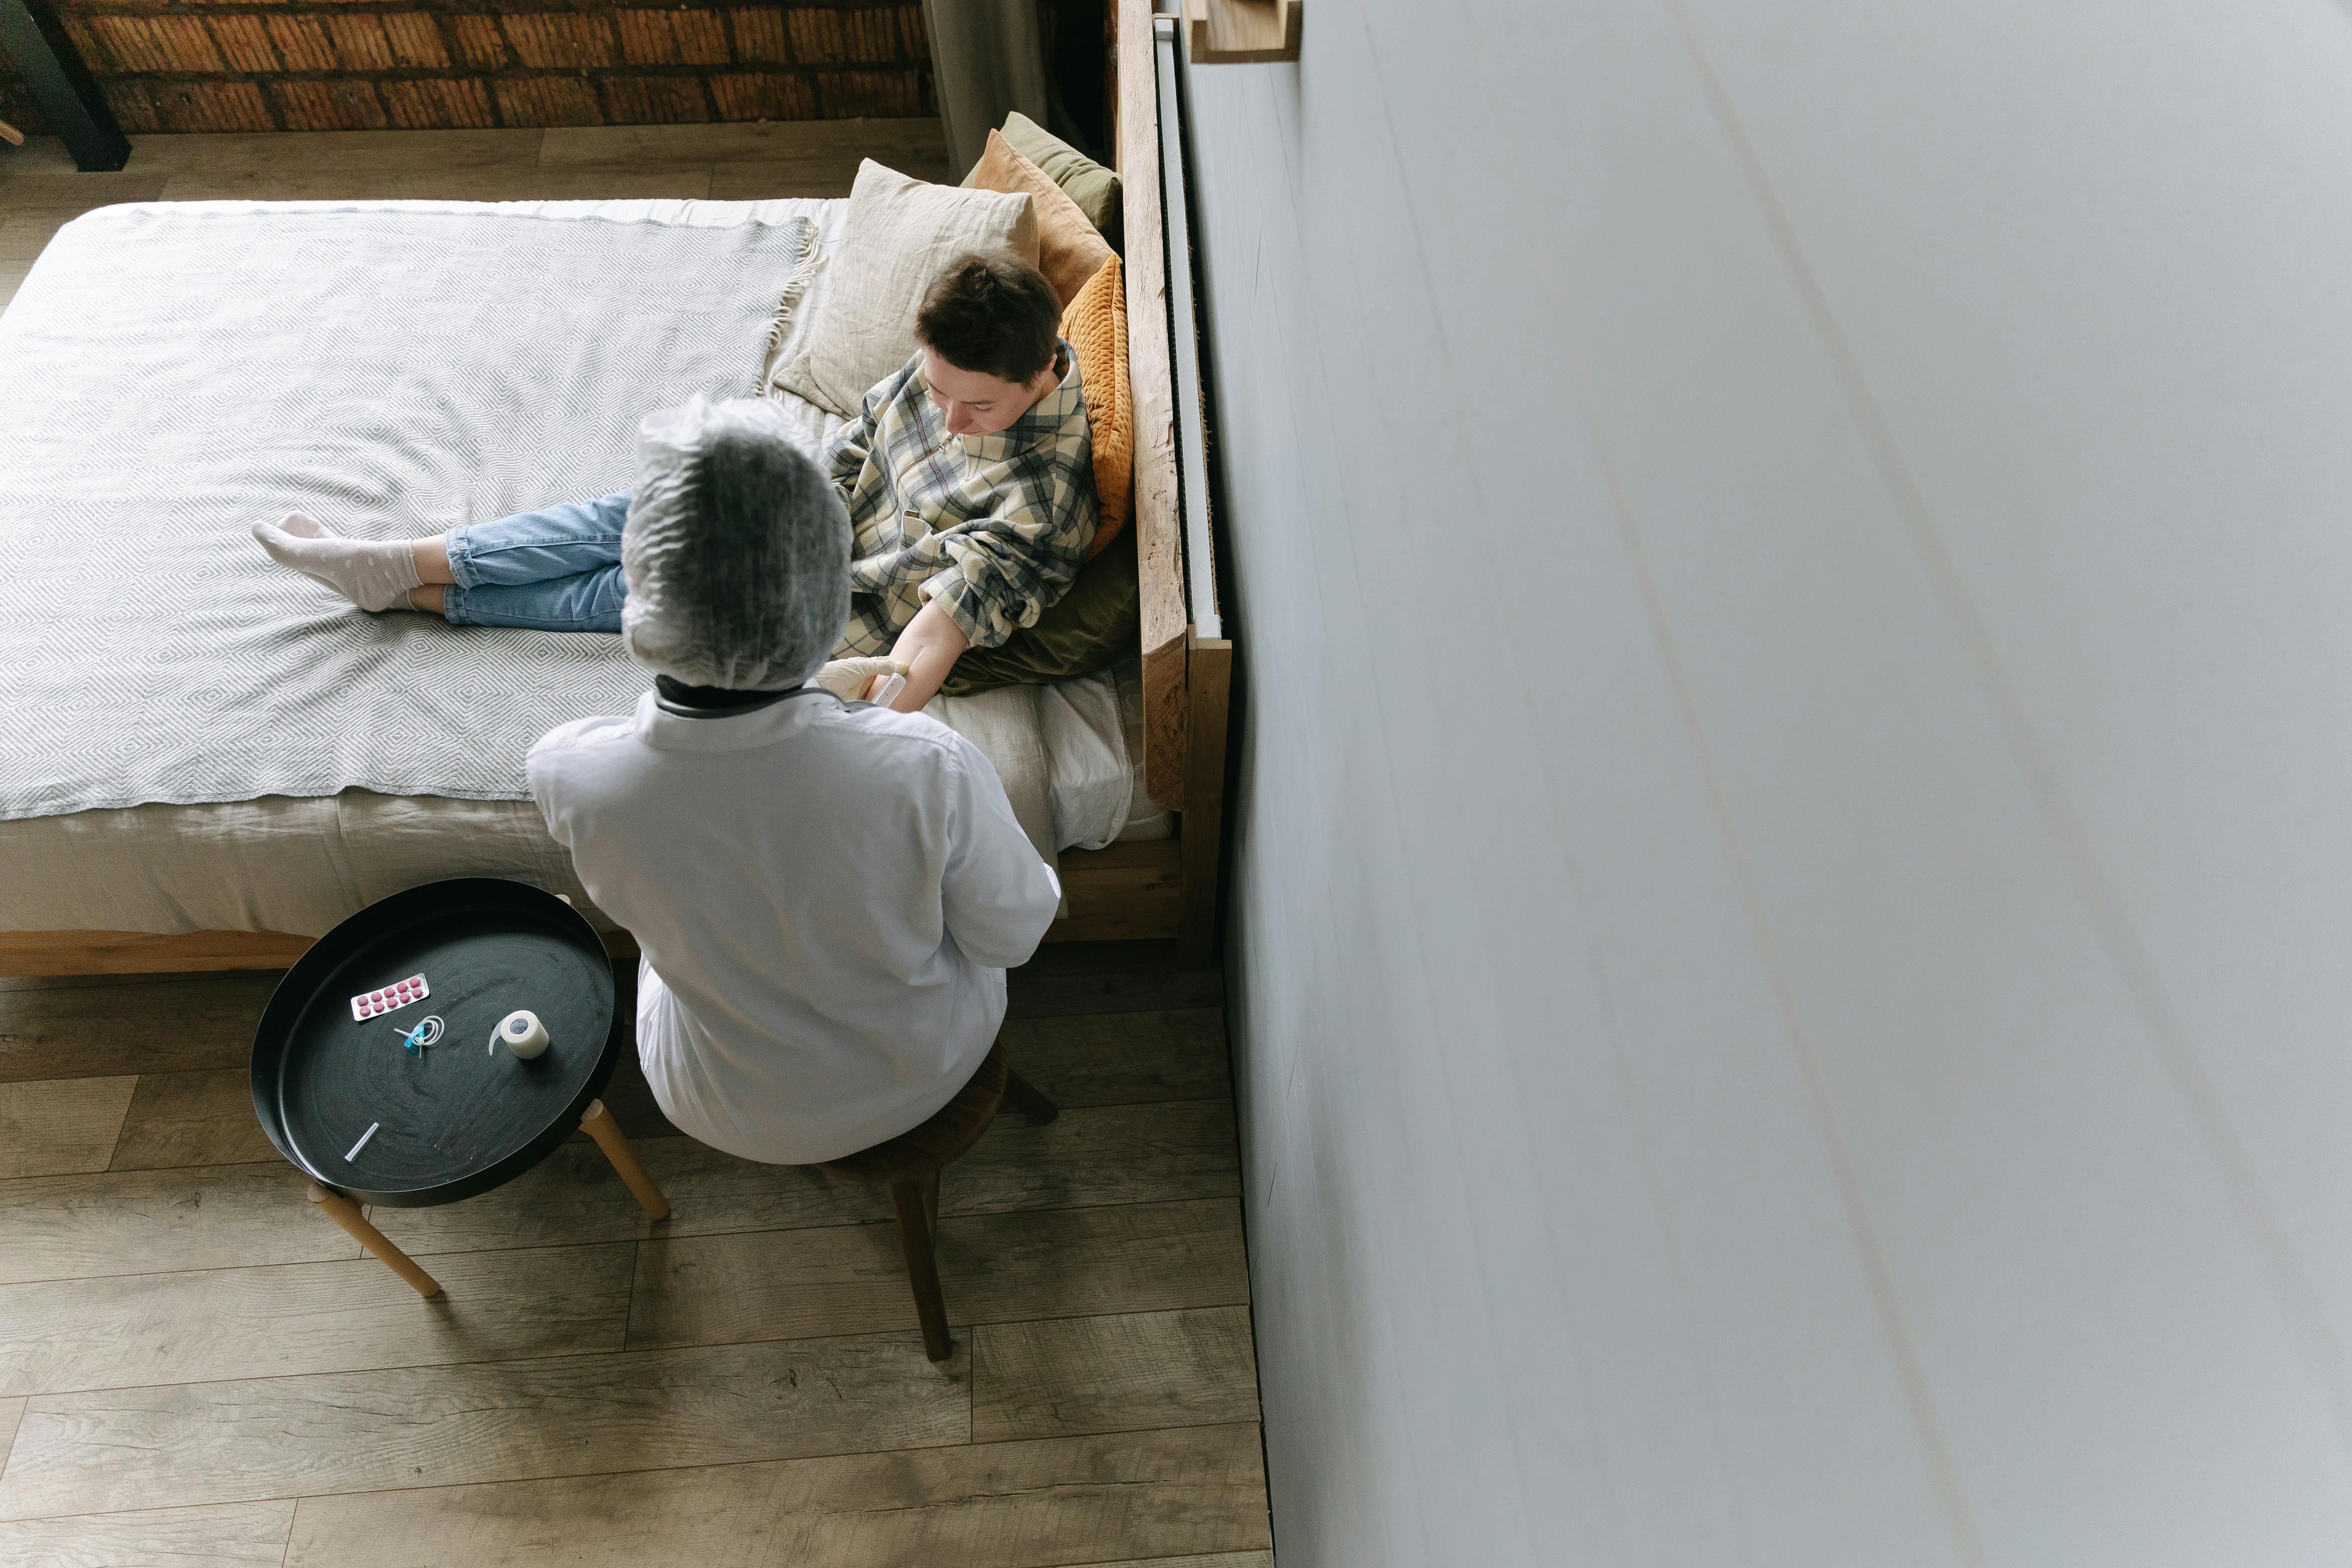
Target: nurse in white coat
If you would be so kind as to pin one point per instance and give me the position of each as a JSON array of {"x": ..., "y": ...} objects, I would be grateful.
[{"x": 827, "y": 894}]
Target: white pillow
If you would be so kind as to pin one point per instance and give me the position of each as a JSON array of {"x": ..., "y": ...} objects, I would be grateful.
[{"x": 898, "y": 235}]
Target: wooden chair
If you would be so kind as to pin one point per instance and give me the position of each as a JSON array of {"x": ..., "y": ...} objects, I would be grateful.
[{"x": 909, "y": 1165}]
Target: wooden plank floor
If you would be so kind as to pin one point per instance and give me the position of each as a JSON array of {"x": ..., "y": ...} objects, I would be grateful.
[
  {"x": 197, "y": 1367},
  {"x": 40, "y": 189}
]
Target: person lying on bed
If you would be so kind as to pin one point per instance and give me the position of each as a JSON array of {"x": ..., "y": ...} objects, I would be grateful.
[
  {"x": 826, "y": 894},
  {"x": 968, "y": 476}
]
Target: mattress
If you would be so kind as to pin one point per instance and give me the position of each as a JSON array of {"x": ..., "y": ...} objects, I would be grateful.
[{"x": 303, "y": 860}]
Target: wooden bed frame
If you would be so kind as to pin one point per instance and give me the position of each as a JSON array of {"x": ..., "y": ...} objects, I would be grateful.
[{"x": 1126, "y": 892}]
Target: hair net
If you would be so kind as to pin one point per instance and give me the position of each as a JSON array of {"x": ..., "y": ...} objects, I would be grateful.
[{"x": 736, "y": 551}]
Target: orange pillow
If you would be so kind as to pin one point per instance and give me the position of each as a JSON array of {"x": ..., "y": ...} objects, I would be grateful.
[
  {"x": 1096, "y": 324},
  {"x": 1069, "y": 250}
]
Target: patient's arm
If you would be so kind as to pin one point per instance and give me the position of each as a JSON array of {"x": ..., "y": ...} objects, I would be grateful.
[{"x": 929, "y": 647}]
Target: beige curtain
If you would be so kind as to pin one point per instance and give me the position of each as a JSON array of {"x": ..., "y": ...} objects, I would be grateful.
[{"x": 987, "y": 61}]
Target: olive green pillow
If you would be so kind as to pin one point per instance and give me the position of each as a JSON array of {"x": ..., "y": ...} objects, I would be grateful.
[
  {"x": 1084, "y": 181},
  {"x": 1093, "y": 626}
]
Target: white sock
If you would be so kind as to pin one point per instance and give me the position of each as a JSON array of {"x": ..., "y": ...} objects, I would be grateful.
[{"x": 375, "y": 574}]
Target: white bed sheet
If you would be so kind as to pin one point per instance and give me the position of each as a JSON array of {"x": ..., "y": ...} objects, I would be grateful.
[{"x": 300, "y": 864}]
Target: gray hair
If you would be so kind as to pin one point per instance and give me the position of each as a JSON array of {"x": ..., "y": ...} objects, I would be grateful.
[{"x": 736, "y": 551}]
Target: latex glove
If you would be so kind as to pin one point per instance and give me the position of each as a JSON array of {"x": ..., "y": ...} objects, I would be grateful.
[{"x": 847, "y": 679}]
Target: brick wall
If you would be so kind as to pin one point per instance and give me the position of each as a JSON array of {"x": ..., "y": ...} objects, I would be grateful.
[{"x": 354, "y": 65}]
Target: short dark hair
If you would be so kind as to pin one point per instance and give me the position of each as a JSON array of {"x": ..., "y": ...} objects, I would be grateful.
[{"x": 990, "y": 312}]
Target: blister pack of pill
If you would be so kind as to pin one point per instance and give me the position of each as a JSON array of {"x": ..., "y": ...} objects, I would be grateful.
[{"x": 375, "y": 1004}]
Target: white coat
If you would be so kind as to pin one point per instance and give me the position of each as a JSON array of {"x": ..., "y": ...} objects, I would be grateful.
[{"x": 827, "y": 897}]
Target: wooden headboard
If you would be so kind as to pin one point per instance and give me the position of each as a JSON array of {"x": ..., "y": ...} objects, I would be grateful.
[{"x": 1187, "y": 675}]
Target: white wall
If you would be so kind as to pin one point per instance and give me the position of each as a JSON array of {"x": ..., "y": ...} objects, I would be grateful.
[{"x": 1792, "y": 928}]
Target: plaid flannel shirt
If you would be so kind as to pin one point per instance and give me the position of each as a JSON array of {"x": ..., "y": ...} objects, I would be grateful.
[{"x": 993, "y": 528}]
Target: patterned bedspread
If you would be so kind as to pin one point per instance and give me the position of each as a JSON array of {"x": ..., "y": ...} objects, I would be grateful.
[{"x": 176, "y": 372}]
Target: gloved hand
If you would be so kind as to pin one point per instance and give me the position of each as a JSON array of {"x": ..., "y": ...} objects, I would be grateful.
[{"x": 847, "y": 679}]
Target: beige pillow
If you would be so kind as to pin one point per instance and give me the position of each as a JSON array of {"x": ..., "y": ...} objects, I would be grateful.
[
  {"x": 899, "y": 233},
  {"x": 1069, "y": 249},
  {"x": 1084, "y": 181}
]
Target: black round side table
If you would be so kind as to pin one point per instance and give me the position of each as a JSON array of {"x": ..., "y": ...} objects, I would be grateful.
[{"x": 355, "y": 1083}]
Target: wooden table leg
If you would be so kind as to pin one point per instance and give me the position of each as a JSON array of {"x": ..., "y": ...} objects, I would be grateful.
[
  {"x": 599, "y": 1124},
  {"x": 345, "y": 1212}
]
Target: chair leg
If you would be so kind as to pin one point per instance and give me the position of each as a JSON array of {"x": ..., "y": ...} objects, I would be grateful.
[
  {"x": 599, "y": 1124},
  {"x": 916, "y": 1236},
  {"x": 345, "y": 1212},
  {"x": 1027, "y": 1098}
]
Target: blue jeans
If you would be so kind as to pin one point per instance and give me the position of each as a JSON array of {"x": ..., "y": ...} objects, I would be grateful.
[{"x": 552, "y": 571}]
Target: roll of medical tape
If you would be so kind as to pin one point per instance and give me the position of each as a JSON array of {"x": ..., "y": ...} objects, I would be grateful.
[{"x": 522, "y": 1033}]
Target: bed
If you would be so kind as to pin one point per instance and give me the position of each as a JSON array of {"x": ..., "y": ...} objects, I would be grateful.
[{"x": 210, "y": 766}]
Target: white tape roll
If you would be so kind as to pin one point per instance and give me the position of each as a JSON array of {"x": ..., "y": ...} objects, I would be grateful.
[{"x": 521, "y": 1033}]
